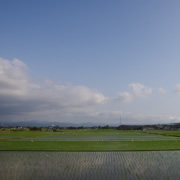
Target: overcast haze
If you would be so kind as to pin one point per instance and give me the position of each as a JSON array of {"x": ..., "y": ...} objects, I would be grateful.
[{"x": 90, "y": 61}]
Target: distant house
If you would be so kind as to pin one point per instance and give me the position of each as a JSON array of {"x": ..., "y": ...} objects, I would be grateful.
[{"x": 147, "y": 128}]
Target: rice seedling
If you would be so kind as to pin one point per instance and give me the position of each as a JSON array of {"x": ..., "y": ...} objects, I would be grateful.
[{"x": 90, "y": 165}]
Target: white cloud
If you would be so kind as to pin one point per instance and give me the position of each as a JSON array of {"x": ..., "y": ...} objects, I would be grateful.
[
  {"x": 19, "y": 94},
  {"x": 162, "y": 91},
  {"x": 125, "y": 97},
  {"x": 177, "y": 89},
  {"x": 140, "y": 90},
  {"x": 22, "y": 97},
  {"x": 17, "y": 63}
]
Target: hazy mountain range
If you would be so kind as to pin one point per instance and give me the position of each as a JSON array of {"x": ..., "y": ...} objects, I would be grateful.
[{"x": 46, "y": 124}]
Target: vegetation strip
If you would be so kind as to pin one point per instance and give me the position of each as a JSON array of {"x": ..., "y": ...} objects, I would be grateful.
[
  {"x": 163, "y": 133},
  {"x": 90, "y": 146},
  {"x": 88, "y": 140}
]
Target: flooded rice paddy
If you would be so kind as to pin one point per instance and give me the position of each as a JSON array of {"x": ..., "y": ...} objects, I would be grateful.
[
  {"x": 28, "y": 165},
  {"x": 111, "y": 137}
]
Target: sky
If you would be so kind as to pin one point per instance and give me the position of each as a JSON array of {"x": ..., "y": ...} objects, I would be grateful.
[{"x": 90, "y": 61}]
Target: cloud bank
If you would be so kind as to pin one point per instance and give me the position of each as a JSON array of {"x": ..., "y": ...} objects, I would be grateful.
[
  {"x": 21, "y": 96},
  {"x": 140, "y": 90},
  {"x": 162, "y": 91},
  {"x": 125, "y": 97},
  {"x": 177, "y": 89}
]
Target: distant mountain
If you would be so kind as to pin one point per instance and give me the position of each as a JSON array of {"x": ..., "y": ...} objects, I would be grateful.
[
  {"x": 53, "y": 124},
  {"x": 35, "y": 123}
]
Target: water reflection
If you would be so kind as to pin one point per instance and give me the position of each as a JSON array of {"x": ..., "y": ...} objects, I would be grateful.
[{"x": 89, "y": 165}]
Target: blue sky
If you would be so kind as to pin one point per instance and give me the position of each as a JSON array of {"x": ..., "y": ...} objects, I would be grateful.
[{"x": 110, "y": 57}]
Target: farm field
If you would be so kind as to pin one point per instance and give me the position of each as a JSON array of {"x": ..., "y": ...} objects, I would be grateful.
[
  {"x": 89, "y": 154},
  {"x": 87, "y": 140},
  {"x": 164, "y": 133},
  {"x": 89, "y": 165}
]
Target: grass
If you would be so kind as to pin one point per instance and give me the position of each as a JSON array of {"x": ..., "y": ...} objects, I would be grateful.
[
  {"x": 68, "y": 132},
  {"x": 26, "y": 133},
  {"x": 90, "y": 146},
  {"x": 89, "y": 140},
  {"x": 164, "y": 132}
]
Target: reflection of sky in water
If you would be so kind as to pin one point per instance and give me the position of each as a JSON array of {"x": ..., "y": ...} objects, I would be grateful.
[{"x": 90, "y": 165}]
